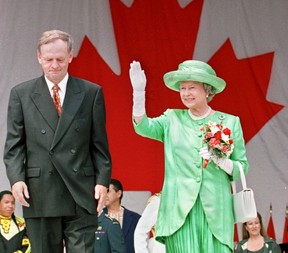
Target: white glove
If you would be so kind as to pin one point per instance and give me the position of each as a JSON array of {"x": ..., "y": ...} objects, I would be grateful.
[
  {"x": 224, "y": 163},
  {"x": 138, "y": 81},
  {"x": 205, "y": 153}
]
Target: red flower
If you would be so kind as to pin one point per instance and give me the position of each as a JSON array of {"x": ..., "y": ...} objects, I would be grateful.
[
  {"x": 208, "y": 135},
  {"x": 224, "y": 149},
  {"x": 217, "y": 135},
  {"x": 227, "y": 131}
]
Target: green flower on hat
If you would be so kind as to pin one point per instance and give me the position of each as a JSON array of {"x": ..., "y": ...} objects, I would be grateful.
[{"x": 192, "y": 70}]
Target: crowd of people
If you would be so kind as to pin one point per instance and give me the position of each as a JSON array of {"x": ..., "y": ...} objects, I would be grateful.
[{"x": 58, "y": 163}]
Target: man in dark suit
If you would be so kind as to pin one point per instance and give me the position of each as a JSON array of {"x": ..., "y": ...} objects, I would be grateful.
[
  {"x": 109, "y": 236},
  {"x": 58, "y": 164},
  {"x": 127, "y": 218}
]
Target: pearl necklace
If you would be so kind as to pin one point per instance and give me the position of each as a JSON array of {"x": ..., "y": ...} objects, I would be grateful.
[{"x": 194, "y": 117}]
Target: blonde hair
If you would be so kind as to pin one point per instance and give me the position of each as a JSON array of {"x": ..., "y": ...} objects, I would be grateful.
[{"x": 52, "y": 35}]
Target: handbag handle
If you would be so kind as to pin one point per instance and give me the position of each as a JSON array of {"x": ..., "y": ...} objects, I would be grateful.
[{"x": 243, "y": 179}]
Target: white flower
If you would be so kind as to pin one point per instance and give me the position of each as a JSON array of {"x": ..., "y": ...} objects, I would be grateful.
[{"x": 224, "y": 137}]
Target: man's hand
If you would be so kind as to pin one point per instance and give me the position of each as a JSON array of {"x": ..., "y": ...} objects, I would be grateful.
[
  {"x": 20, "y": 193},
  {"x": 100, "y": 195}
]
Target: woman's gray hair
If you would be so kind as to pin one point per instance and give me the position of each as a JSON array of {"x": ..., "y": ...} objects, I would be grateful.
[{"x": 210, "y": 90}]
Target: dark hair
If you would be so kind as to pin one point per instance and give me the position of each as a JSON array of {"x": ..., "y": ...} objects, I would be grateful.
[
  {"x": 4, "y": 193},
  {"x": 245, "y": 233},
  {"x": 117, "y": 186}
]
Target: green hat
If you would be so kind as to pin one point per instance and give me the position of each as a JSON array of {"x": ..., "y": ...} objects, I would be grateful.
[{"x": 193, "y": 70}]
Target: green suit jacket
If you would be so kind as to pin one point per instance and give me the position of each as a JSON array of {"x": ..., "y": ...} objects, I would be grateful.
[
  {"x": 60, "y": 159},
  {"x": 185, "y": 179}
]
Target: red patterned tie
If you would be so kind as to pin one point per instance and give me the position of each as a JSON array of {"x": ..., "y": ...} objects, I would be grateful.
[{"x": 56, "y": 99}]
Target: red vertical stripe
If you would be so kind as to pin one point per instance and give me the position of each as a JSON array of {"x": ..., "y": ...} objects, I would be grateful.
[
  {"x": 236, "y": 238},
  {"x": 285, "y": 232},
  {"x": 270, "y": 228}
]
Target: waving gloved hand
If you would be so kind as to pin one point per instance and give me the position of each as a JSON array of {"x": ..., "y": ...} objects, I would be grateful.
[{"x": 138, "y": 81}]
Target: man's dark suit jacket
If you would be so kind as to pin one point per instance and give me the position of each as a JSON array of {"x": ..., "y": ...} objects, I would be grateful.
[
  {"x": 60, "y": 159},
  {"x": 130, "y": 220}
]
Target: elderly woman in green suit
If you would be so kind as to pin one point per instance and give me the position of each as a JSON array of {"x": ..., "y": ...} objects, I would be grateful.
[{"x": 196, "y": 209}]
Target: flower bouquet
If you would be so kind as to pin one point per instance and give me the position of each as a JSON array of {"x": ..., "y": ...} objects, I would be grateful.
[{"x": 217, "y": 138}]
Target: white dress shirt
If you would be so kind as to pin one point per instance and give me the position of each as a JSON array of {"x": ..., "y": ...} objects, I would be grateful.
[{"x": 62, "y": 85}]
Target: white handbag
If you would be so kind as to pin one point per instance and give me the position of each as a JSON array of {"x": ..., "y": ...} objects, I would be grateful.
[{"x": 243, "y": 201}]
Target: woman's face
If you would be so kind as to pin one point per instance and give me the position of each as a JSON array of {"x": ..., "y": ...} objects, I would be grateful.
[
  {"x": 7, "y": 205},
  {"x": 193, "y": 94},
  {"x": 253, "y": 227}
]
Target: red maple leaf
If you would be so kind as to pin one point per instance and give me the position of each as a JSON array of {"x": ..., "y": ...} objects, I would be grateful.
[
  {"x": 166, "y": 36},
  {"x": 160, "y": 36},
  {"x": 245, "y": 94}
]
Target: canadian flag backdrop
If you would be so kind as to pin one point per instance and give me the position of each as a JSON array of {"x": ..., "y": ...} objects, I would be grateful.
[{"x": 246, "y": 42}]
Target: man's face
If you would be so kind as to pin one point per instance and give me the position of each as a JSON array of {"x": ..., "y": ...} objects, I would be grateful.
[
  {"x": 112, "y": 196},
  {"x": 54, "y": 59}
]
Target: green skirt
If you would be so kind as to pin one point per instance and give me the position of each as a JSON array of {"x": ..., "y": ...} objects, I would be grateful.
[{"x": 195, "y": 236}]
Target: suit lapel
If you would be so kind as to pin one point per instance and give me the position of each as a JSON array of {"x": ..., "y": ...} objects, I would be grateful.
[
  {"x": 73, "y": 99},
  {"x": 43, "y": 101}
]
